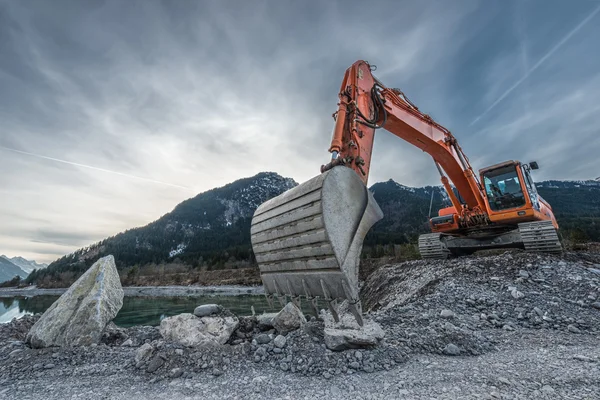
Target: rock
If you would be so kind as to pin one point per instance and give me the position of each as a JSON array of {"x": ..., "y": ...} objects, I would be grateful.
[
  {"x": 582, "y": 358},
  {"x": 127, "y": 343},
  {"x": 547, "y": 389},
  {"x": 447, "y": 314},
  {"x": 263, "y": 338},
  {"x": 354, "y": 365},
  {"x": 80, "y": 315},
  {"x": 216, "y": 372},
  {"x": 189, "y": 330},
  {"x": 260, "y": 352},
  {"x": 155, "y": 363},
  {"x": 265, "y": 321},
  {"x": 516, "y": 294},
  {"x": 451, "y": 349},
  {"x": 49, "y": 366},
  {"x": 523, "y": 274},
  {"x": 176, "y": 373},
  {"x": 289, "y": 319},
  {"x": 143, "y": 352},
  {"x": 596, "y": 305},
  {"x": 347, "y": 334},
  {"x": 280, "y": 341},
  {"x": 342, "y": 338},
  {"x": 207, "y": 309},
  {"x": 573, "y": 329}
]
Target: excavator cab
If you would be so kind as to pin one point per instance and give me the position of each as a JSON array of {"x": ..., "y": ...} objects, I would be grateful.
[{"x": 504, "y": 188}]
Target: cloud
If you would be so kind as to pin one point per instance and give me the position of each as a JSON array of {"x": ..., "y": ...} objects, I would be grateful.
[{"x": 200, "y": 94}]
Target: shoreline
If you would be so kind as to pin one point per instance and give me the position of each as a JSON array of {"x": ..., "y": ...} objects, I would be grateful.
[{"x": 148, "y": 291}]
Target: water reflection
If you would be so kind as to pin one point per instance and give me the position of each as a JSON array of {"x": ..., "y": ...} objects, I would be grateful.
[{"x": 144, "y": 310}]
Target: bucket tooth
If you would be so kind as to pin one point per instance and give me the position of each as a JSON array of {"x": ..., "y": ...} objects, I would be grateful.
[
  {"x": 314, "y": 304},
  {"x": 308, "y": 240},
  {"x": 270, "y": 300},
  {"x": 356, "y": 310},
  {"x": 297, "y": 302},
  {"x": 325, "y": 290},
  {"x": 333, "y": 309}
]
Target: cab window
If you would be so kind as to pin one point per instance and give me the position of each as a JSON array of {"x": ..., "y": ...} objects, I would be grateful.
[{"x": 503, "y": 188}]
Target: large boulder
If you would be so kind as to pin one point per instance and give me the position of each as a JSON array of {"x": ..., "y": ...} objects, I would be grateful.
[
  {"x": 288, "y": 319},
  {"x": 189, "y": 330},
  {"x": 347, "y": 334},
  {"x": 80, "y": 315}
]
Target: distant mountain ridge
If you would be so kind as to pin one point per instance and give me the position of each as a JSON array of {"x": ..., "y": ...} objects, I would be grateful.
[
  {"x": 212, "y": 229},
  {"x": 8, "y": 270},
  {"x": 25, "y": 265}
]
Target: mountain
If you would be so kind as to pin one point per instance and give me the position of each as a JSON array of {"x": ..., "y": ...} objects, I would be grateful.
[
  {"x": 24, "y": 264},
  {"x": 8, "y": 270},
  {"x": 212, "y": 230}
]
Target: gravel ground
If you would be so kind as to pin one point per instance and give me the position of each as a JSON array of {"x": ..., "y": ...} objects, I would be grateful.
[{"x": 508, "y": 326}]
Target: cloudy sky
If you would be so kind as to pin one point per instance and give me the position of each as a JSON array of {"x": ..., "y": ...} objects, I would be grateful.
[{"x": 112, "y": 112}]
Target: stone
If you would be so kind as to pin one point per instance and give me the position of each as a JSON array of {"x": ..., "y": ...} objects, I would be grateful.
[
  {"x": 80, "y": 315},
  {"x": 347, "y": 334},
  {"x": 189, "y": 330},
  {"x": 342, "y": 338},
  {"x": 523, "y": 274},
  {"x": 573, "y": 329},
  {"x": 516, "y": 294},
  {"x": 155, "y": 363},
  {"x": 263, "y": 338},
  {"x": 127, "y": 343},
  {"x": 143, "y": 352},
  {"x": 582, "y": 358},
  {"x": 265, "y": 321},
  {"x": 176, "y": 373},
  {"x": 354, "y": 365},
  {"x": 596, "y": 305},
  {"x": 288, "y": 319},
  {"x": 279, "y": 341},
  {"x": 207, "y": 309},
  {"x": 49, "y": 366},
  {"x": 547, "y": 389},
  {"x": 447, "y": 314},
  {"x": 451, "y": 349}
]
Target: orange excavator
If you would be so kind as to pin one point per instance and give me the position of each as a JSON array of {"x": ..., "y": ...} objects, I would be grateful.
[{"x": 308, "y": 240}]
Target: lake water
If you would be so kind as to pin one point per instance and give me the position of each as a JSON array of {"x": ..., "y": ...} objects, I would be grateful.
[{"x": 143, "y": 310}]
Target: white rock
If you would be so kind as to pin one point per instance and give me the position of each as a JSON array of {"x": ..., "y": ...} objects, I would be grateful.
[
  {"x": 207, "y": 309},
  {"x": 289, "y": 319},
  {"x": 265, "y": 321},
  {"x": 447, "y": 314},
  {"x": 280, "y": 341},
  {"x": 347, "y": 334},
  {"x": 80, "y": 315},
  {"x": 143, "y": 352},
  {"x": 189, "y": 330}
]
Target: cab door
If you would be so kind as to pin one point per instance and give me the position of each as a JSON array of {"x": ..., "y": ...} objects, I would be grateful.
[{"x": 531, "y": 189}]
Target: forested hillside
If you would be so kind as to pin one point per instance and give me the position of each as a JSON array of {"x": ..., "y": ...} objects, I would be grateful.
[{"x": 212, "y": 230}]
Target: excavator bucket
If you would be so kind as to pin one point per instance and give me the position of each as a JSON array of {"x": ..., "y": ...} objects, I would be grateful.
[{"x": 308, "y": 240}]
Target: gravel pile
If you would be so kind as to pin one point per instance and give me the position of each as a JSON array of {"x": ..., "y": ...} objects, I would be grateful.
[
  {"x": 441, "y": 318},
  {"x": 465, "y": 306}
]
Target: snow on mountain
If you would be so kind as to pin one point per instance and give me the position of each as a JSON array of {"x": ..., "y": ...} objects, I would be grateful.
[
  {"x": 25, "y": 265},
  {"x": 8, "y": 270}
]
